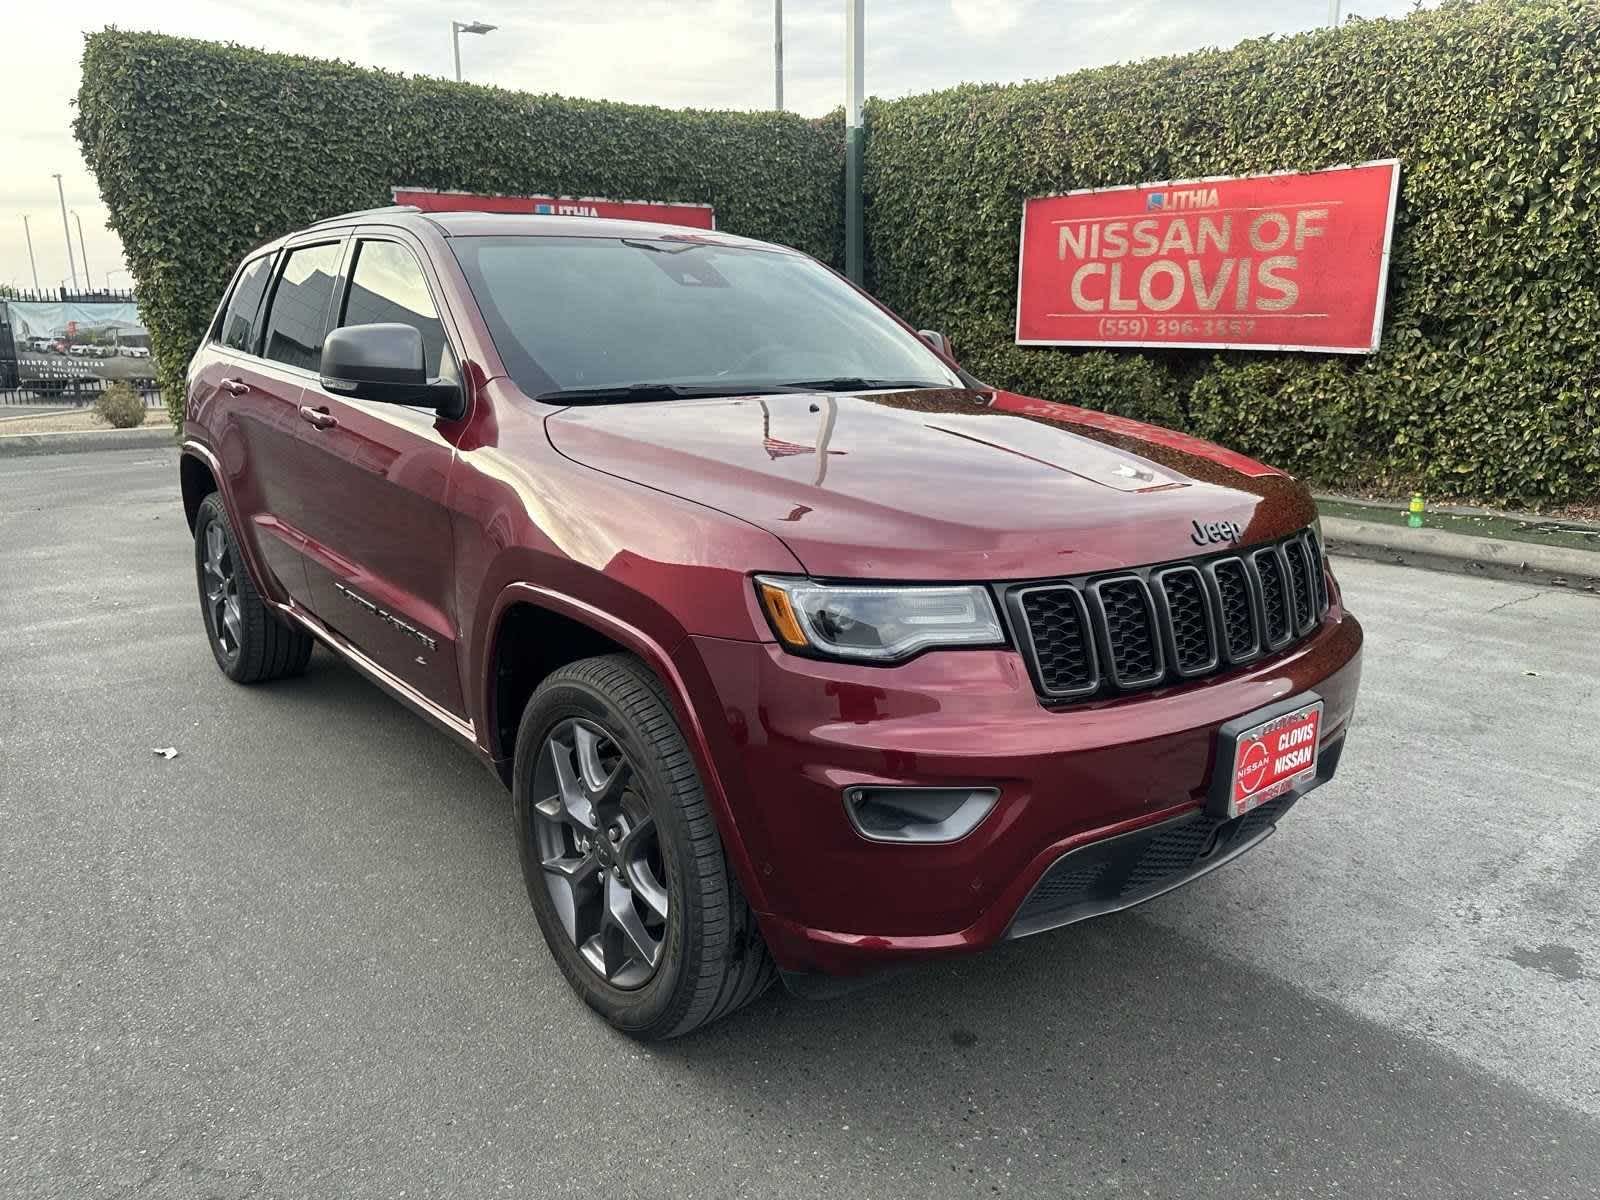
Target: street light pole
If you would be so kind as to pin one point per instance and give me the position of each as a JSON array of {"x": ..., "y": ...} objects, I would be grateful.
[
  {"x": 72, "y": 267},
  {"x": 777, "y": 54},
  {"x": 457, "y": 28},
  {"x": 854, "y": 85},
  {"x": 1333, "y": 13},
  {"x": 32, "y": 266},
  {"x": 83, "y": 252}
]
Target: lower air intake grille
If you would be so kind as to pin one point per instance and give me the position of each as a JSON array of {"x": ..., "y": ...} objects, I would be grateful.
[{"x": 1121, "y": 871}]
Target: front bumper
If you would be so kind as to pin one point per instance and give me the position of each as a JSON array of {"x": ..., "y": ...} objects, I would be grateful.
[{"x": 1131, "y": 772}]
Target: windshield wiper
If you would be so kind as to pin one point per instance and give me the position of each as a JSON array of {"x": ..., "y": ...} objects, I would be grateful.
[
  {"x": 630, "y": 392},
  {"x": 854, "y": 383}
]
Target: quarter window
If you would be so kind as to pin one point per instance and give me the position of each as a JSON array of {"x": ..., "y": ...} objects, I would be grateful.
[
  {"x": 299, "y": 316},
  {"x": 387, "y": 285},
  {"x": 239, "y": 322}
]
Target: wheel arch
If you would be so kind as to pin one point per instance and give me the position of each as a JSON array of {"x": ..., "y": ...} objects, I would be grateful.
[
  {"x": 588, "y": 631},
  {"x": 197, "y": 479}
]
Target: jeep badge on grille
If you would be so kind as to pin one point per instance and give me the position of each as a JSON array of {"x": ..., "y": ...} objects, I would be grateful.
[{"x": 1215, "y": 531}]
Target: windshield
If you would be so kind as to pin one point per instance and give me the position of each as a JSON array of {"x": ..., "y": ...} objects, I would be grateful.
[{"x": 571, "y": 315}]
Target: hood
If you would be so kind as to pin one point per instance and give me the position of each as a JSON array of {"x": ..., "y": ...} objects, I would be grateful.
[{"x": 940, "y": 485}]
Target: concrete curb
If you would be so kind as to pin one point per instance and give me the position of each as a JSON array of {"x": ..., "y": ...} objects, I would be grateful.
[
  {"x": 17, "y": 445},
  {"x": 1497, "y": 558}
]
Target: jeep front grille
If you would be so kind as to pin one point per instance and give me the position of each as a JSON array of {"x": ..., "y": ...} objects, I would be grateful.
[{"x": 1129, "y": 630}]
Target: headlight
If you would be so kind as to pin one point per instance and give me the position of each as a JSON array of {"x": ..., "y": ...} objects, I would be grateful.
[{"x": 877, "y": 624}]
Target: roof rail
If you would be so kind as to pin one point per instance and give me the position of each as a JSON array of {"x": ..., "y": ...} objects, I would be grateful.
[{"x": 386, "y": 210}]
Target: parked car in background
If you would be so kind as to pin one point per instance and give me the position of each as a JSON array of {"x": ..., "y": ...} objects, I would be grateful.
[{"x": 801, "y": 650}]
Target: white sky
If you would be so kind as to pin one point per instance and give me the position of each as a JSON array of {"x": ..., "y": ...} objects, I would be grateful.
[{"x": 688, "y": 53}]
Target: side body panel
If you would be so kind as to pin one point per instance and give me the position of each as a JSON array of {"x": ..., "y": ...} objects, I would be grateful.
[{"x": 379, "y": 553}]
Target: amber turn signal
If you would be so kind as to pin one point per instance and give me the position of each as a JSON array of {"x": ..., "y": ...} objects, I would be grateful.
[{"x": 784, "y": 619}]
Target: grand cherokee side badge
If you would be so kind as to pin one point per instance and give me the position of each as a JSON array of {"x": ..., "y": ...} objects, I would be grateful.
[
  {"x": 1215, "y": 531},
  {"x": 384, "y": 615}
]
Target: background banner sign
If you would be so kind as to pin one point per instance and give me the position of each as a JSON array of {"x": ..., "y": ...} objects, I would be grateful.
[
  {"x": 55, "y": 348},
  {"x": 1264, "y": 262},
  {"x": 101, "y": 321},
  {"x": 696, "y": 216}
]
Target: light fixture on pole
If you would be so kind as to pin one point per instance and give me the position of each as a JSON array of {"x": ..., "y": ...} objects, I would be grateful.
[
  {"x": 72, "y": 267},
  {"x": 777, "y": 54},
  {"x": 854, "y": 86},
  {"x": 457, "y": 28},
  {"x": 83, "y": 252},
  {"x": 32, "y": 266}
]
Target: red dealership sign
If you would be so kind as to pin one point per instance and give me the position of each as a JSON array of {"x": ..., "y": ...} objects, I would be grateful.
[
  {"x": 696, "y": 216},
  {"x": 1265, "y": 262}
]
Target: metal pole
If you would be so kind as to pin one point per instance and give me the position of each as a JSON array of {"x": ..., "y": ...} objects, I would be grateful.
[
  {"x": 72, "y": 267},
  {"x": 854, "y": 86},
  {"x": 32, "y": 266},
  {"x": 777, "y": 54},
  {"x": 1333, "y": 13},
  {"x": 83, "y": 254},
  {"x": 455, "y": 46}
]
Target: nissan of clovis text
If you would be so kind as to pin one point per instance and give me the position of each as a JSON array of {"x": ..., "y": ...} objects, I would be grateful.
[{"x": 803, "y": 652}]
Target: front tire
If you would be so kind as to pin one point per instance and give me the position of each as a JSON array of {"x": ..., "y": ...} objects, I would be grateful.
[
  {"x": 248, "y": 641},
  {"x": 621, "y": 856}
]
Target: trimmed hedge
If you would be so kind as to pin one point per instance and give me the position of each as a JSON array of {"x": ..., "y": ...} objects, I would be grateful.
[
  {"x": 1485, "y": 384},
  {"x": 203, "y": 151}
]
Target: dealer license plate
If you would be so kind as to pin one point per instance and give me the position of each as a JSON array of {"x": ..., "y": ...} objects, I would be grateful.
[{"x": 1271, "y": 758}]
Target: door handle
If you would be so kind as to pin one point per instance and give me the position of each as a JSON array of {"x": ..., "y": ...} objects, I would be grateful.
[
  {"x": 320, "y": 417},
  {"x": 234, "y": 387}
]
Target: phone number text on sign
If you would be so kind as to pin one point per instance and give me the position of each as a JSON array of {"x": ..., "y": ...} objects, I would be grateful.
[{"x": 1271, "y": 262}]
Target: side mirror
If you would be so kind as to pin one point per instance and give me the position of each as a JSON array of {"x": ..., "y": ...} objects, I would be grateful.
[
  {"x": 938, "y": 341},
  {"x": 385, "y": 363}
]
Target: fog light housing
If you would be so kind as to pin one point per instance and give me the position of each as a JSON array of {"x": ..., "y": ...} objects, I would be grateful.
[{"x": 917, "y": 814}]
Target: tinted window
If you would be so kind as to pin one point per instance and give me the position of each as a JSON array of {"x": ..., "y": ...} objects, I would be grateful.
[
  {"x": 239, "y": 322},
  {"x": 299, "y": 315},
  {"x": 608, "y": 312},
  {"x": 387, "y": 285}
]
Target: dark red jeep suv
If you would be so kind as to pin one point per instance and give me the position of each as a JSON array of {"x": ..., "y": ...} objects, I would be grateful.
[{"x": 801, "y": 651}]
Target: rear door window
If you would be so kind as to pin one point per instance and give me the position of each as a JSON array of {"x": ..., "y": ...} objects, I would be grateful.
[
  {"x": 298, "y": 319},
  {"x": 387, "y": 285},
  {"x": 239, "y": 321}
]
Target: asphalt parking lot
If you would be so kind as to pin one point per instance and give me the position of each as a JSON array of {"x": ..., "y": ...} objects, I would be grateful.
[{"x": 297, "y": 960}]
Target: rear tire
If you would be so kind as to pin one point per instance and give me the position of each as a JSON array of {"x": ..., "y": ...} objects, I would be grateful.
[
  {"x": 248, "y": 641},
  {"x": 621, "y": 856}
]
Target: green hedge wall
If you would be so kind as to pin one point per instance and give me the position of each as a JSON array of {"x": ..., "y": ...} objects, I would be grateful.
[
  {"x": 1486, "y": 381},
  {"x": 203, "y": 150}
]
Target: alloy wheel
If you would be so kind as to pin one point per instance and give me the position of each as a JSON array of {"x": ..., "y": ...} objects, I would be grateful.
[
  {"x": 596, "y": 840},
  {"x": 221, "y": 587}
]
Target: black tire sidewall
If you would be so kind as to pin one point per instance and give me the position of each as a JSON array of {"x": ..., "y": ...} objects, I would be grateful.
[
  {"x": 211, "y": 513},
  {"x": 652, "y": 1008}
]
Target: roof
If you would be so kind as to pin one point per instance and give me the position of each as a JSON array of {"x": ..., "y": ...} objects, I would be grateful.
[
  {"x": 493, "y": 224},
  {"x": 484, "y": 224},
  {"x": 487, "y": 224}
]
